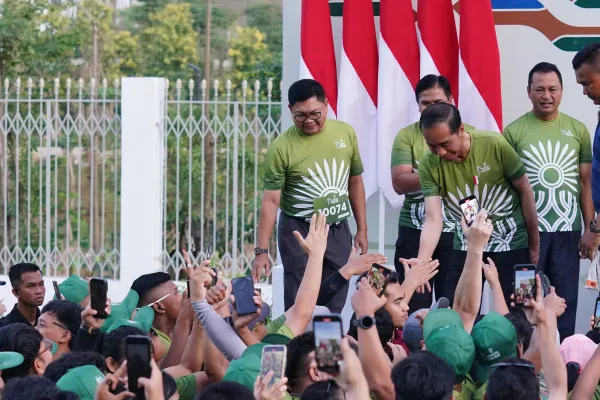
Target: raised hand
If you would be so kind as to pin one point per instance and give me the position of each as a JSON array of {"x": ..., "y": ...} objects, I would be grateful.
[
  {"x": 478, "y": 234},
  {"x": 315, "y": 242}
]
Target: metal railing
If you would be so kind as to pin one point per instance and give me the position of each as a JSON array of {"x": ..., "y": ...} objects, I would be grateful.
[
  {"x": 59, "y": 177},
  {"x": 214, "y": 152}
]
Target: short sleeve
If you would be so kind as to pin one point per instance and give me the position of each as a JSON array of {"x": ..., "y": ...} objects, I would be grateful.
[
  {"x": 356, "y": 165},
  {"x": 275, "y": 168},
  {"x": 428, "y": 186},
  {"x": 511, "y": 162},
  {"x": 402, "y": 149},
  {"x": 507, "y": 133},
  {"x": 186, "y": 387},
  {"x": 585, "y": 148}
]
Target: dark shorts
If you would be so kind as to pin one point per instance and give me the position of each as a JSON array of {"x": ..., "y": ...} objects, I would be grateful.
[
  {"x": 407, "y": 246},
  {"x": 293, "y": 258}
]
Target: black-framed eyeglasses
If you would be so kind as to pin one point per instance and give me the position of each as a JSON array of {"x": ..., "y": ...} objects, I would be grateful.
[
  {"x": 516, "y": 364},
  {"x": 301, "y": 117}
]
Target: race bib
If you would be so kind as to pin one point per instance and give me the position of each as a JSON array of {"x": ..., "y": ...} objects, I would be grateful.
[{"x": 335, "y": 207}]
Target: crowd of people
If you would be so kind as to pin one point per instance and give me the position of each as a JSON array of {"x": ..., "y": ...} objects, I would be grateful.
[{"x": 534, "y": 184}]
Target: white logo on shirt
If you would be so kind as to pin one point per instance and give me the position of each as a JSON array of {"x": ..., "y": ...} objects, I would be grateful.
[
  {"x": 340, "y": 144},
  {"x": 567, "y": 132},
  {"x": 483, "y": 168}
]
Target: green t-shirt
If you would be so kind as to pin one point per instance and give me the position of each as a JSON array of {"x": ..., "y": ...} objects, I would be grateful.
[
  {"x": 186, "y": 387},
  {"x": 552, "y": 152},
  {"x": 409, "y": 148},
  {"x": 496, "y": 165},
  {"x": 307, "y": 167},
  {"x": 280, "y": 327}
]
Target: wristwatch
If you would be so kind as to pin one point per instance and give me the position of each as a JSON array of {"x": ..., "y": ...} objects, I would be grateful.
[
  {"x": 593, "y": 227},
  {"x": 364, "y": 322},
  {"x": 259, "y": 250}
]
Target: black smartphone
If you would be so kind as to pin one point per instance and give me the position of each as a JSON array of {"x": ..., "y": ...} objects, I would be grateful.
[
  {"x": 137, "y": 350},
  {"x": 273, "y": 359},
  {"x": 597, "y": 314},
  {"x": 215, "y": 278},
  {"x": 98, "y": 292},
  {"x": 328, "y": 337},
  {"x": 469, "y": 207},
  {"x": 243, "y": 290},
  {"x": 188, "y": 288},
  {"x": 378, "y": 277},
  {"x": 56, "y": 290},
  {"x": 524, "y": 284}
]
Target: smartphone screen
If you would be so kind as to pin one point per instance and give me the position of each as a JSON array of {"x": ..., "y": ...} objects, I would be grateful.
[
  {"x": 243, "y": 290},
  {"x": 597, "y": 314},
  {"x": 56, "y": 290},
  {"x": 328, "y": 336},
  {"x": 378, "y": 276},
  {"x": 98, "y": 290},
  {"x": 138, "y": 362},
  {"x": 273, "y": 359},
  {"x": 525, "y": 287},
  {"x": 469, "y": 207}
]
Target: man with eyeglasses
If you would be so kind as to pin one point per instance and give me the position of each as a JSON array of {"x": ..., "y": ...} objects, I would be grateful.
[
  {"x": 59, "y": 322},
  {"x": 314, "y": 166}
]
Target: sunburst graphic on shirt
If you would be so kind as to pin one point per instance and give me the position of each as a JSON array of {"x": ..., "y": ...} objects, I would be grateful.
[
  {"x": 321, "y": 182},
  {"x": 553, "y": 173},
  {"x": 497, "y": 201}
]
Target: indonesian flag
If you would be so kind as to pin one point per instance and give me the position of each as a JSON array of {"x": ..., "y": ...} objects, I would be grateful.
[
  {"x": 358, "y": 83},
  {"x": 439, "y": 42},
  {"x": 398, "y": 76},
  {"x": 317, "y": 52},
  {"x": 479, "y": 67}
]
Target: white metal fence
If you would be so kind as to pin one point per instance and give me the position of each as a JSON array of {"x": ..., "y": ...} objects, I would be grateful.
[{"x": 60, "y": 174}]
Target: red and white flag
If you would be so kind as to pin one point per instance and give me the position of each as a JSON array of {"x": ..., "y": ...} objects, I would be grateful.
[
  {"x": 439, "y": 41},
  {"x": 317, "y": 51},
  {"x": 398, "y": 76},
  {"x": 480, "y": 86},
  {"x": 357, "y": 103}
]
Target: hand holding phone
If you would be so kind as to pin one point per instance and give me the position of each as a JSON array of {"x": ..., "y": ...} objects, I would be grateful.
[
  {"x": 273, "y": 359},
  {"x": 597, "y": 314},
  {"x": 57, "y": 291},
  {"x": 98, "y": 293},
  {"x": 243, "y": 290},
  {"x": 328, "y": 338},
  {"x": 378, "y": 277},
  {"x": 137, "y": 349},
  {"x": 469, "y": 207},
  {"x": 525, "y": 286}
]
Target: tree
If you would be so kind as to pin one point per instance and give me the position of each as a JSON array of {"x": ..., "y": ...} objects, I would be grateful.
[
  {"x": 168, "y": 44},
  {"x": 120, "y": 57},
  {"x": 247, "y": 49},
  {"x": 268, "y": 18}
]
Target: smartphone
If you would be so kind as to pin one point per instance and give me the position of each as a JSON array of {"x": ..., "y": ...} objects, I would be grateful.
[
  {"x": 243, "y": 290},
  {"x": 328, "y": 337},
  {"x": 188, "y": 289},
  {"x": 98, "y": 291},
  {"x": 524, "y": 284},
  {"x": 215, "y": 278},
  {"x": 597, "y": 314},
  {"x": 545, "y": 283},
  {"x": 137, "y": 350},
  {"x": 378, "y": 277},
  {"x": 469, "y": 207},
  {"x": 56, "y": 290},
  {"x": 273, "y": 359}
]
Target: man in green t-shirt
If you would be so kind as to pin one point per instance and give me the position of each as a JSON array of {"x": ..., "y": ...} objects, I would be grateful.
[
  {"x": 313, "y": 166},
  {"x": 482, "y": 164},
  {"x": 557, "y": 152},
  {"x": 408, "y": 149}
]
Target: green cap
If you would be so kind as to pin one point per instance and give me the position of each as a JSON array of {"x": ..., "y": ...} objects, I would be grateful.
[
  {"x": 143, "y": 320},
  {"x": 495, "y": 338},
  {"x": 74, "y": 289},
  {"x": 122, "y": 310},
  {"x": 82, "y": 380},
  {"x": 246, "y": 369},
  {"x": 10, "y": 359},
  {"x": 439, "y": 318},
  {"x": 445, "y": 337}
]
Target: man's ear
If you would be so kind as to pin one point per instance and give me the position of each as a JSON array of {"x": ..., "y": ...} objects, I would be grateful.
[
  {"x": 38, "y": 366},
  {"x": 111, "y": 365},
  {"x": 66, "y": 337},
  {"x": 422, "y": 344},
  {"x": 15, "y": 292},
  {"x": 158, "y": 308}
]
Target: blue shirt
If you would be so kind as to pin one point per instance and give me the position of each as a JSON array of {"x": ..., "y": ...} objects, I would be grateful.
[{"x": 596, "y": 169}]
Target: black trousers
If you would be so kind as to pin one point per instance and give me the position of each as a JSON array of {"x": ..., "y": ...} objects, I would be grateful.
[
  {"x": 294, "y": 259},
  {"x": 407, "y": 246},
  {"x": 505, "y": 262},
  {"x": 559, "y": 260}
]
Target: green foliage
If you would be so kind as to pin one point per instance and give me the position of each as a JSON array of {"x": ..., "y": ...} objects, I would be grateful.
[{"x": 268, "y": 18}]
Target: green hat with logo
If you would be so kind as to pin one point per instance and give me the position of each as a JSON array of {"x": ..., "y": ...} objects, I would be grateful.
[
  {"x": 10, "y": 359},
  {"x": 143, "y": 320},
  {"x": 495, "y": 338},
  {"x": 445, "y": 337},
  {"x": 82, "y": 380},
  {"x": 74, "y": 289},
  {"x": 122, "y": 310}
]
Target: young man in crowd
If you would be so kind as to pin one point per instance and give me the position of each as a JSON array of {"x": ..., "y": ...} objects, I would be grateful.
[
  {"x": 59, "y": 322},
  {"x": 37, "y": 352},
  {"x": 28, "y": 287},
  {"x": 557, "y": 154}
]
